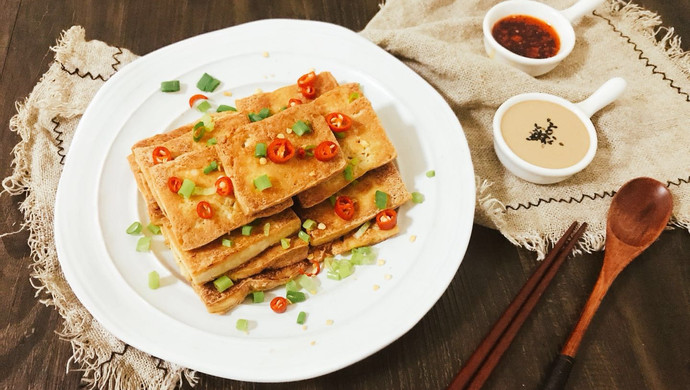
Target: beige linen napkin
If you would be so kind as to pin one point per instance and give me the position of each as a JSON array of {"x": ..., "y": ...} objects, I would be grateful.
[
  {"x": 46, "y": 122},
  {"x": 644, "y": 133}
]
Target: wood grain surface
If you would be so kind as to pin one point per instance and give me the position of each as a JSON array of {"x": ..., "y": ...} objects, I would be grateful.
[{"x": 638, "y": 340}]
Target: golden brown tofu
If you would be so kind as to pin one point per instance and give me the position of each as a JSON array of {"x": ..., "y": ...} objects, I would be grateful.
[
  {"x": 386, "y": 179},
  {"x": 286, "y": 179},
  {"x": 211, "y": 260},
  {"x": 365, "y": 145}
]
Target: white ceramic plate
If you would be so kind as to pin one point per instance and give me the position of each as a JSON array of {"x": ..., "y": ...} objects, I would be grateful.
[{"x": 347, "y": 320}]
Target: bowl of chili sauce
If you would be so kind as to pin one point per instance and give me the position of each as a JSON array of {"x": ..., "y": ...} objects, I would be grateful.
[{"x": 532, "y": 36}]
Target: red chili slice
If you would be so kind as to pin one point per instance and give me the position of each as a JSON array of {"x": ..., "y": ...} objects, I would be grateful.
[
  {"x": 317, "y": 269},
  {"x": 223, "y": 186},
  {"x": 345, "y": 207},
  {"x": 294, "y": 102},
  {"x": 338, "y": 121},
  {"x": 279, "y": 304},
  {"x": 306, "y": 79},
  {"x": 308, "y": 92},
  {"x": 174, "y": 183},
  {"x": 280, "y": 150},
  {"x": 161, "y": 154},
  {"x": 301, "y": 153},
  {"x": 387, "y": 219},
  {"x": 204, "y": 210},
  {"x": 326, "y": 151},
  {"x": 194, "y": 98}
]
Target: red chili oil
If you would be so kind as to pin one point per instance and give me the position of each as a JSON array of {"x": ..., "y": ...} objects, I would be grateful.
[{"x": 526, "y": 36}]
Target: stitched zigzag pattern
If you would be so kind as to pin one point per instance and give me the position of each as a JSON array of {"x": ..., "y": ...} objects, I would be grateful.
[
  {"x": 529, "y": 205},
  {"x": 78, "y": 72},
  {"x": 59, "y": 141},
  {"x": 124, "y": 350},
  {"x": 646, "y": 59}
]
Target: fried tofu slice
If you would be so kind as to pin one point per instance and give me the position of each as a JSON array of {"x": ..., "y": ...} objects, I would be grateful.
[
  {"x": 365, "y": 145},
  {"x": 286, "y": 179},
  {"x": 221, "y": 302},
  {"x": 190, "y": 230},
  {"x": 276, "y": 100},
  {"x": 386, "y": 178},
  {"x": 178, "y": 141},
  {"x": 373, "y": 235},
  {"x": 206, "y": 263},
  {"x": 273, "y": 257}
]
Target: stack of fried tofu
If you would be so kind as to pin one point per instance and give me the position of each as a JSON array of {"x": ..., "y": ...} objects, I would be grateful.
[{"x": 251, "y": 235}]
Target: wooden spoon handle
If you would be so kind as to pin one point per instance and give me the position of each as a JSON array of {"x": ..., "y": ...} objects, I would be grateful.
[{"x": 559, "y": 373}]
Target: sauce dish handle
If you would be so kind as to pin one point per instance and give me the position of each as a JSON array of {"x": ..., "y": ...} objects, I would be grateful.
[
  {"x": 579, "y": 9},
  {"x": 607, "y": 93}
]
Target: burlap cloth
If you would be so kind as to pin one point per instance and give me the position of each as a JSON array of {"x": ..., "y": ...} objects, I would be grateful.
[{"x": 643, "y": 133}]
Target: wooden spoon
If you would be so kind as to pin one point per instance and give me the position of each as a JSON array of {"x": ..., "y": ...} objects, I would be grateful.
[{"x": 638, "y": 214}]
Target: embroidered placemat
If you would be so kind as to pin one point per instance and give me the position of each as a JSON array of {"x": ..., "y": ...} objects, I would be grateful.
[{"x": 644, "y": 133}]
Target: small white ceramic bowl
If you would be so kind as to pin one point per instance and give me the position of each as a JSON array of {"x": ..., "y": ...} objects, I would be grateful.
[
  {"x": 604, "y": 95},
  {"x": 561, "y": 21}
]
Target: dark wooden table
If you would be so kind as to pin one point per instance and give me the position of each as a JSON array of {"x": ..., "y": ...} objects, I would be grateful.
[{"x": 638, "y": 340}]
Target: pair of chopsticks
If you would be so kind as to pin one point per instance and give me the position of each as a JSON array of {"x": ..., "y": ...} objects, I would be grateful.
[{"x": 483, "y": 360}]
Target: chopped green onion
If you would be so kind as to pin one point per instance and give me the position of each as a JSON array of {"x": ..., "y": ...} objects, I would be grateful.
[
  {"x": 381, "y": 199},
  {"x": 292, "y": 286},
  {"x": 144, "y": 244},
  {"x": 186, "y": 188},
  {"x": 170, "y": 86},
  {"x": 206, "y": 191},
  {"x": 224, "y": 107},
  {"x": 198, "y": 124},
  {"x": 360, "y": 232},
  {"x": 353, "y": 96},
  {"x": 309, "y": 224},
  {"x": 212, "y": 166},
  {"x": 303, "y": 236},
  {"x": 262, "y": 114},
  {"x": 309, "y": 283},
  {"x": 301, "y": 317},
  {"x": 155, "y": 229},
  {"x": 211, "y": 141},
  {"x": 227, "y": 242},
  {"x": 258, "y": 296},
  {"x": 332, "y": 199},
  {"x": 154, "y": 280},
  {"x": 222, "y": 283},
  {"x": 260, "y": 150},
  {"x": 267, "y": 229},
  {"x": 207, "y": 83},
  {"x": 247, "y": 230},
  {"x": 339, "y": 269},
  {"x": 339, "y": 135},
  {"x": 208, "y": 121},
  {"x": 348, "y": 174},
  {"x": 295, "y": 296},
  {"x": 353, "y": 161},
  {"x": 285, "y": 243},
  {"x": 364, "y": 255},
  {"x": 301, "y": 127},
  {"x": 262, "y": 182},
  {"x": 203, "y": 106},
  {"x": 417, "y": 197},
  {"x": 198, "y": 132},
  {"x": 309, "y": 150},
  {"x": 242, "y": 325},
  {"x": 134, "y": 228},
  {"x": 430, "y": 173}
]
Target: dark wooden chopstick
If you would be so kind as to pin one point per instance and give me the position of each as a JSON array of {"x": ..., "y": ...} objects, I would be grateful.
[{"x": 483, "y": 360}]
